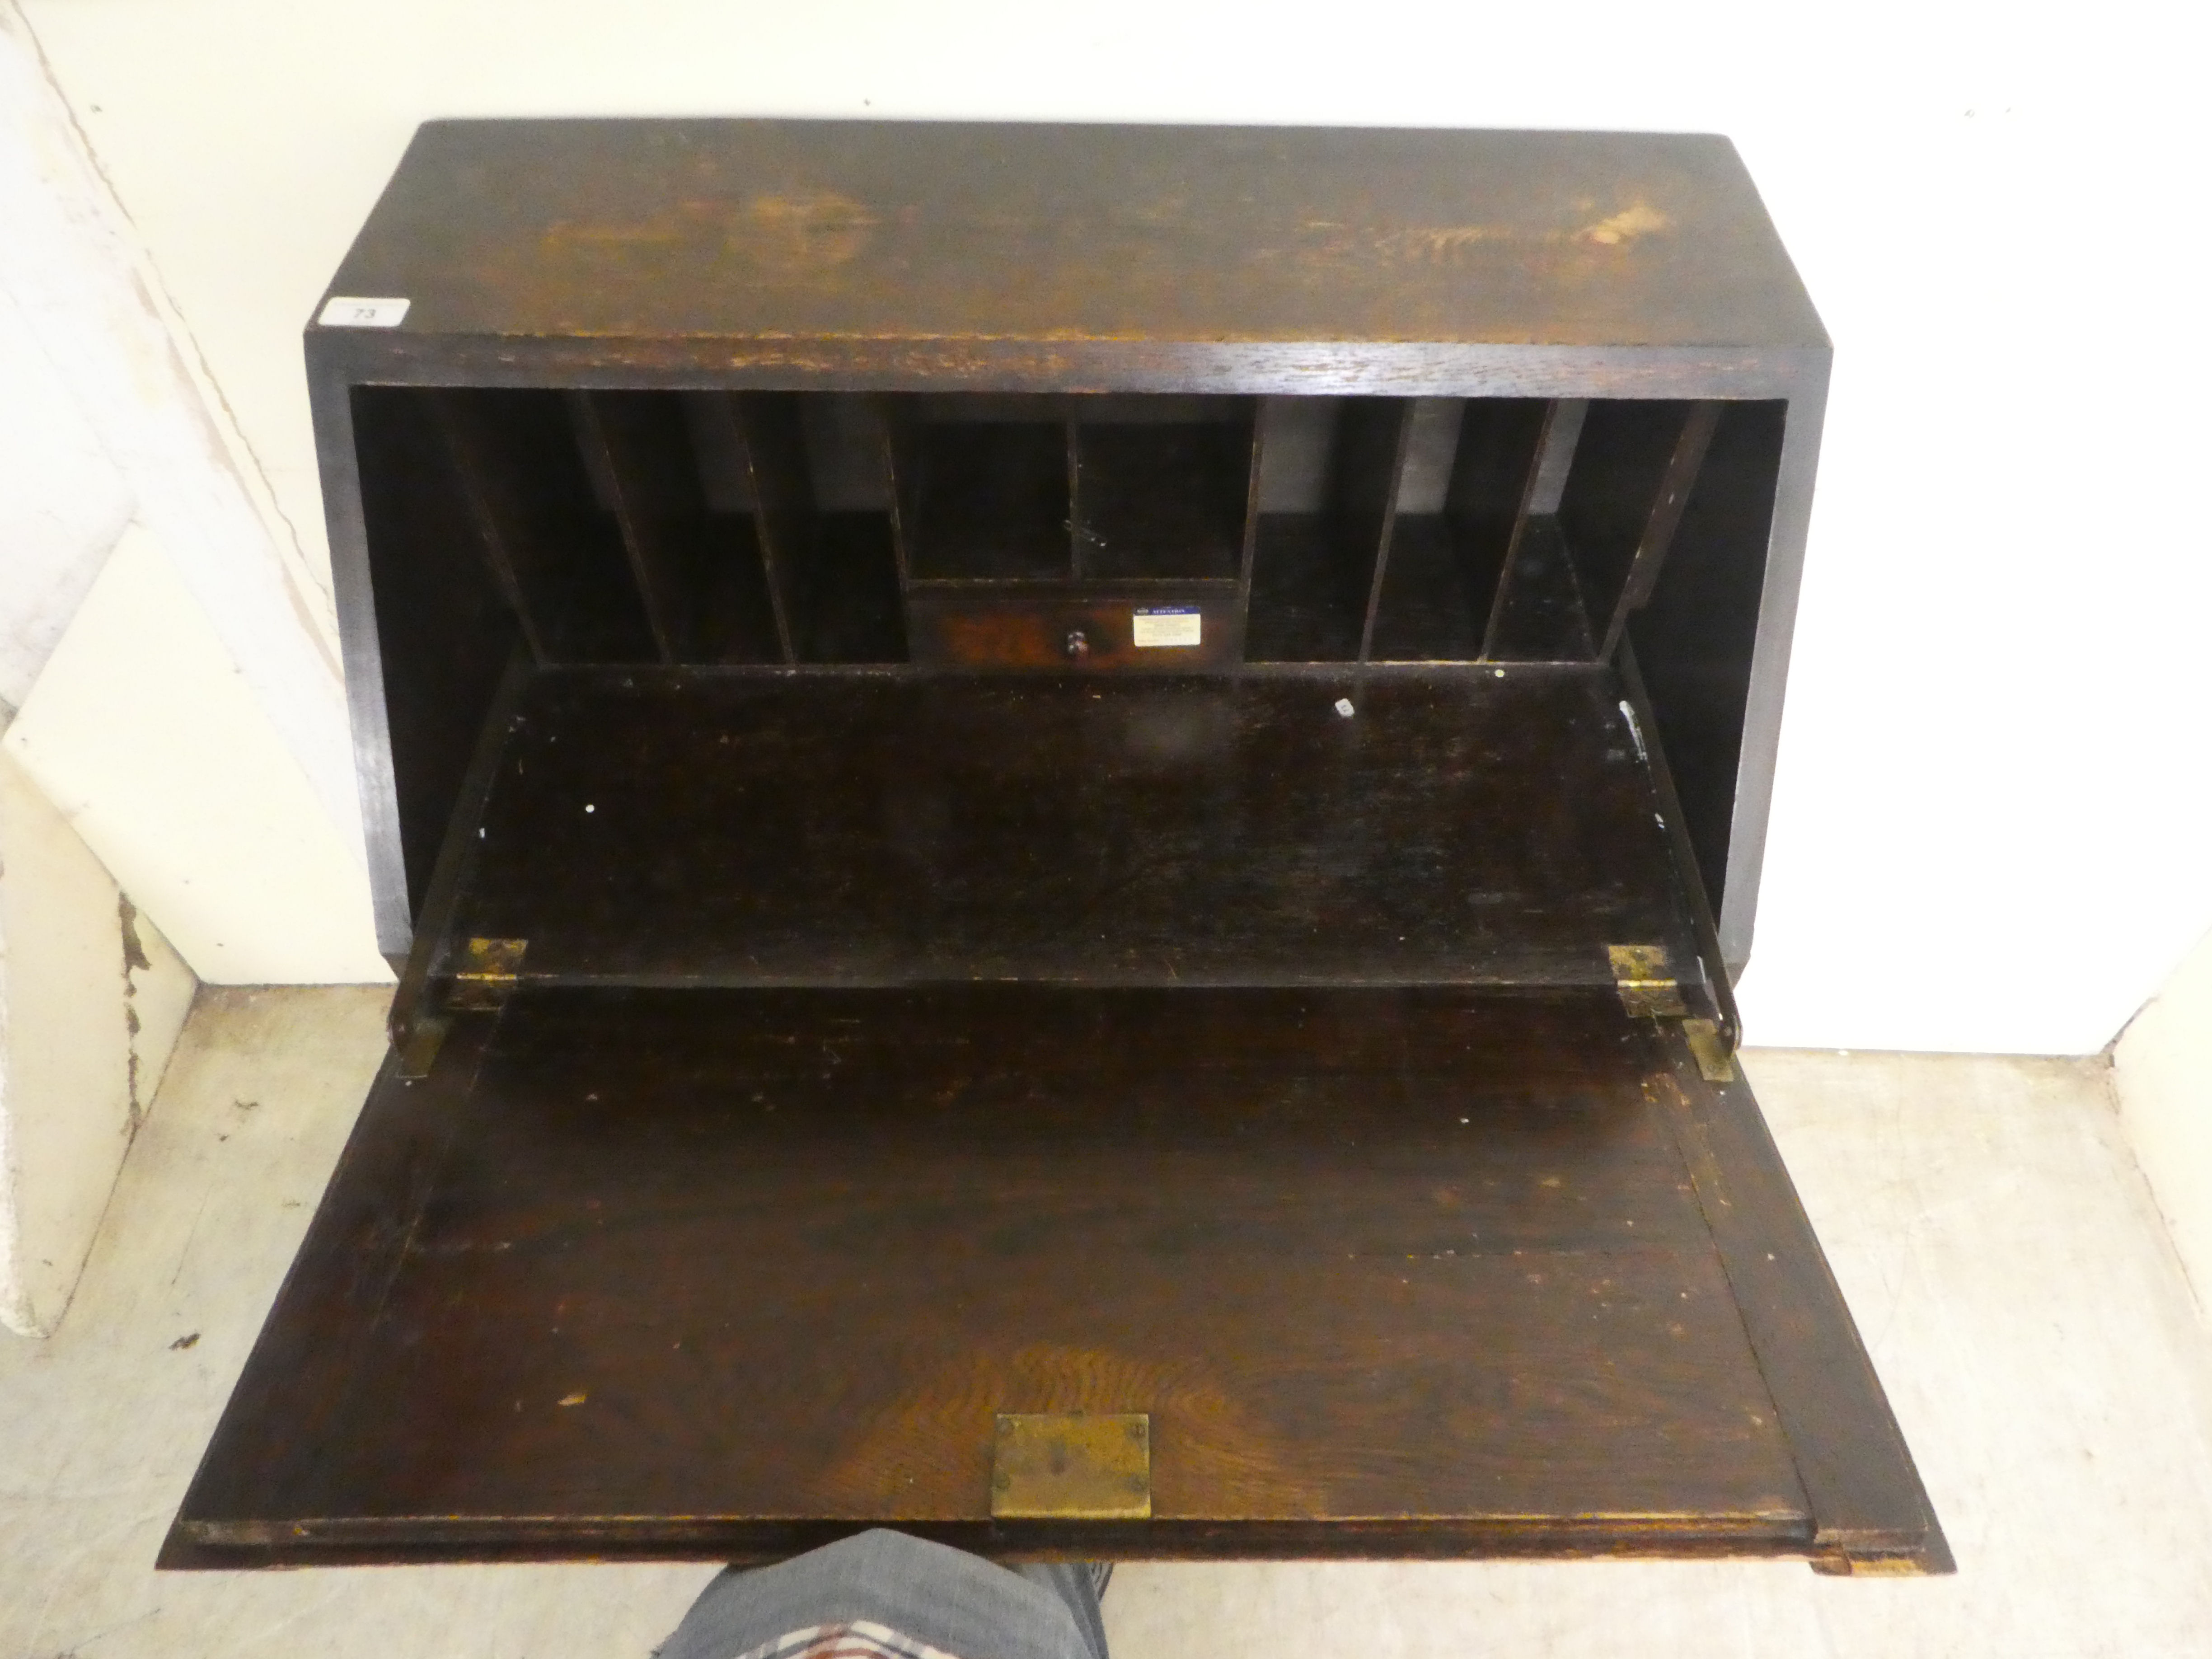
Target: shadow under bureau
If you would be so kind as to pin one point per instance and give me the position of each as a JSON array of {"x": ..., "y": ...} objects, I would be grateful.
[{"x": 1066, "y": 813}]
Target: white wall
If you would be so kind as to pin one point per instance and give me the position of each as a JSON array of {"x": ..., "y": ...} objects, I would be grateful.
[
  {"x": 144, "y": 733},
  {"x": 92, "y": 999},
  {"x": 1988, "y": 828},
  {"x": 168, "y": 691},
  {"x": 2162, "y": 1075},
  {"x": 172, "y": 657}
]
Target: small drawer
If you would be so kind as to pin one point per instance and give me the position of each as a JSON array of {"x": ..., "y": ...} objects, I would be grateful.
[{"x": 1170, "y": 633}]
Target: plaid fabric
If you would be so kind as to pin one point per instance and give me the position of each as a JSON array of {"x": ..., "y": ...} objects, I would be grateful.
[
  {"x": 858, "y": 1640},
  {"x": 883, "y": 1595}
]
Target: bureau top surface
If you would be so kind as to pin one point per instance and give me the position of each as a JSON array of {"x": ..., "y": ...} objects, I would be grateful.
[{"x": 963, "y": 236}]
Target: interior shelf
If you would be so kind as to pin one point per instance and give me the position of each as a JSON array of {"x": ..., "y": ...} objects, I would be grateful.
[
  {"x": 657, "y": 828},
  {"x": 984, "y": 501},
  {"x": 1162, "y": 499}
]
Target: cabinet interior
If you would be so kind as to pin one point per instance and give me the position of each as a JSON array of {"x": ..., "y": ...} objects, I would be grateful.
[
  {"x": 686, "y": 531},
  {"x": 766, "y": 527}
]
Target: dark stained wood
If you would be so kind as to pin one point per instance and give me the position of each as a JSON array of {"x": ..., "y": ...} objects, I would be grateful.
[
  {"x": 1539, "y": 616},
  {"x": 1446, "y": 564},
  {"x": 985, "y": 499},
  {"x": 1162, "y": 500},
  {"x": 1719, "y": 988},
  {"x": 1317, "y": 569},
  {"x": 766, "y": 830},
  {"x": 840, "y": 258},
  {"x": 855, "y": 609},
  {"x": 1682, "y": 467},
  {"x": 1869, "y": 1509},
  {"x": 1537, "y": 610},
  {"x": 443, "y": 630},
  {"x": 1618, "y": 480},
  {"x": 1086, "y": 629},
  {"x": 768, "y": 442},
  {"x": 1498, "y": 441},
  {"x": 325, "y": 1322},
  {"x": 502, "y": 559},
  {"x": 1431, "y": 606},
  {"x": 805, "y": 241},
  {"x": 530, "y": 497},
  {"x": 1301, "y": 607},
  {"x": 1556, "y": 451},
  {"x": 1415, "y": 1255},
  {"x": 637, "y": 446},
  {"x": 927, "y": 1007},
  {"x": 1695, "y": 639},
  {"x": 1371, "y": 456},
  {"x": 416, "y": 1002}
]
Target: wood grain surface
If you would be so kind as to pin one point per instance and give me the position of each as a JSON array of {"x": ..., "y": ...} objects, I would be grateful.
[
  {"x": 682, "y": 1271},
  {"x": 766, "y": 828},
  {"x": 819, "y": 237},
  {"x": 923, "y": 1016}
]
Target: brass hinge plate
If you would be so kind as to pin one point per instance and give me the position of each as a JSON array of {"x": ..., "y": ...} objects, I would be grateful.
[
  {"x": 1715, "y": 1064},
  {"x": 419, "y": 1052},
  {"x": 491, "y": 968},
  {"x": 1646, "y": 980},
  {"x": 1868, "y": 1566},
  {"x": 1072, "y": 1466}
]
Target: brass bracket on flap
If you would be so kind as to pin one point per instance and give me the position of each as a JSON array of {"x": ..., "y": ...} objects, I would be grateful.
[
  {"x": 1072, "y": 1466},
  {"x": 1875, "y": 1566},
  {"x": 1715, "y": 1063},
  {"x": 418, "y": 1042},
  {"x": 491, "y": 968}
]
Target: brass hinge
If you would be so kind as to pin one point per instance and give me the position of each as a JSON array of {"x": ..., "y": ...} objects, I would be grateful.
[
  {"x": 1072, "y": 1466},
  {"x": 491, "y": 968},
  {"x": 1643, "y": 975},
  {"x": 1646, "y": 980}
]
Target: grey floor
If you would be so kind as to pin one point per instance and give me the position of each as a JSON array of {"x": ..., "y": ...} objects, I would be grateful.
[{"x": 1989, "y": 1227}]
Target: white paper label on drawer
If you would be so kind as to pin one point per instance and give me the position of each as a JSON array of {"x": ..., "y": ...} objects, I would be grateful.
[
  {"x": 1165, "y": 625},
  {"x": 344, "y": 311}
]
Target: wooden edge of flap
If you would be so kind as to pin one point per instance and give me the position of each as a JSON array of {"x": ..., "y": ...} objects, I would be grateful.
[{"x": 1871, "y": 1514}]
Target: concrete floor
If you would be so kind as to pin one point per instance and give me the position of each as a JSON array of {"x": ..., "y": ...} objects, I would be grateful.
[{"x": 1997, "y": 1244}]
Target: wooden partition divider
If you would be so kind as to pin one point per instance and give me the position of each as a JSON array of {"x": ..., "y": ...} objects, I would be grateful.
[
  {"x": 636, "y": 448},
  {"x": 462, "y": 439},
  {"x": 1448, "y": 547},
  {"x": 515, "y": 463},
  {"x": 685, "y": 527},
  {"x": 1536, "y": 606},
  {"x": 1683, "y": 465},
  {"x": 764, "y": 461}
]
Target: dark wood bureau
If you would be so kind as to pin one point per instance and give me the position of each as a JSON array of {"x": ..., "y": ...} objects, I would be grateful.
[{"x": 1066, "y": 813}]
